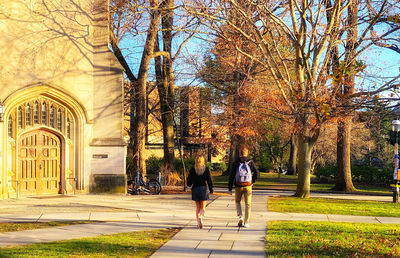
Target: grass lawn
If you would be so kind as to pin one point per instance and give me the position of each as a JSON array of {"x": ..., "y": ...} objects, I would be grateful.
[
  {"x": 328, "y": 239},
  {"x": 18, "y": 226},
  {"x": 134, "y": 244},
  {"x": 333, "y": 206},
  {"x": 289, "y": 182},
  {"x": 270, "y": 180}
]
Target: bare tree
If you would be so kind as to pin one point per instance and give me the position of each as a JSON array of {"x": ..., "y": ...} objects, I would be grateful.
[
  {"x": 131, "y": 20},
  {"x": 123, "y": 13},
  {"x": 180, "y": 34},
  {"x": 308, "y": 91},
  {"x": 343, "y": 177},
  {"x": 361, "y": 18}
]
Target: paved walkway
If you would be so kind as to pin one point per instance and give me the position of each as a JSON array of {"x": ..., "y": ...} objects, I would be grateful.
[{"x": 220, "y": 236}]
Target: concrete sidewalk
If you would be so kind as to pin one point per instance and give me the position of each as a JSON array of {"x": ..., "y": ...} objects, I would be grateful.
[
  {"x": 220, "y": 236},
  {"x": 119, "y": 213}
]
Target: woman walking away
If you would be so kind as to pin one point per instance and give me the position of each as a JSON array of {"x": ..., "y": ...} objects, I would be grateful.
[{"x": 199, "y": 177}]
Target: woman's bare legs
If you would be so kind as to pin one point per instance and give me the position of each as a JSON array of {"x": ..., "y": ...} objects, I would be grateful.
[
  {"x": 198, "y": 214},
  {"x": 198, "y": 207},
  {"x": 202, "y": 207}
]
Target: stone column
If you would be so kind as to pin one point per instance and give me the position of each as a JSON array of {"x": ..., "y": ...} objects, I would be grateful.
[{"x": 107, "y": 144}]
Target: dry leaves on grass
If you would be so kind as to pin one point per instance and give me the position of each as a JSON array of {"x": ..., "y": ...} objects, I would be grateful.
[{"x": 221, "y": 193}]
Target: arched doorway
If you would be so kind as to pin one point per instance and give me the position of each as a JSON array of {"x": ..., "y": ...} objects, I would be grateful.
[
  {"x": 39, "y": 163},
  {"x": 43, "y": 147}
]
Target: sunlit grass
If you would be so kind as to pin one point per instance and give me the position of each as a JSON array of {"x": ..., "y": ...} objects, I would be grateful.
[
  {"x": 289, "y": 182},
  {"x": 333, "y": 206},
  {"x": 18, "y": 226},
  {"x": 133, "y": 244},
  {"x": 329, "y": 239}
]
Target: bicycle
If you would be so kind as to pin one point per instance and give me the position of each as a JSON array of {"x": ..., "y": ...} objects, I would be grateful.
[{"x": 139, "y": 185}]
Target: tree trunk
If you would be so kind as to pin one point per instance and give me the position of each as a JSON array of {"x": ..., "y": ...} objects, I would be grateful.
[
  {"x": 168, "y": 109},
  {"x": 306, "y": 145},
  {"x": 165, "y": 85},
  {"x": 343, "y": 177},
  {"x": 167, "y": 116},
  {"x": 293, "y": 156},
  {"x": 131, "y": 144},
  {"x": 141, "y": 92},
  {"x": 168, "y": 136},
  {"x": 236, "y": 140},
  {"x": 232, "y": 156},
  {"x": 139, "y": 128}
]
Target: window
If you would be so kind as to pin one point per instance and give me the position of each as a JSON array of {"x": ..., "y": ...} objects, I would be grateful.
[
  {"x": 68, "y": 128},
  {"x": 52, "y": 116},
  {"x": 44, "y": 113},
  {"x": 27, "y": 115},
  {"x": 10, "y": 127},
  {"x": 59, "y": 119},
  {"x": 36, "y": 113},
  {"x": 19, "y": 117}
]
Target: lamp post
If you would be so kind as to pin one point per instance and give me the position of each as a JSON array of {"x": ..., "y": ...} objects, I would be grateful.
[{"x": 396, "y": 129}]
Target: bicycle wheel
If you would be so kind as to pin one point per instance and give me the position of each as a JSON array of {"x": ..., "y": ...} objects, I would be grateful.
[
  {"x": 154, "y": 186},
  {"x": 131, "y": 187}
]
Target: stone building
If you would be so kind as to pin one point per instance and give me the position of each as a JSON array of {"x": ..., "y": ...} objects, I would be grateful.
[
  {"x": 61, "y": 99},
  {"x": 193, "y": 123}
]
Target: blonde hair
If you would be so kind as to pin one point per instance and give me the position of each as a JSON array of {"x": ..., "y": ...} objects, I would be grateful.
[{"x": 199, "y": 168}]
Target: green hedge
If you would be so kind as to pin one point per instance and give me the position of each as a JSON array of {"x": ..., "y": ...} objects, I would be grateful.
[
  {"x": 130, "y": 168},
  {"x": 153, "y": 164},
  {"x": 264, "y": 161},
  {"x": 361, "y": 174},
  {"x": 219, "y": 166}
]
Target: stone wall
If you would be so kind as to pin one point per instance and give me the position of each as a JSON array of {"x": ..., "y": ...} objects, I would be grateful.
[{"x": 63, "y": 47}]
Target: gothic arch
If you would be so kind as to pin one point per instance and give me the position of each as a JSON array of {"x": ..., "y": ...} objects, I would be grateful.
[{"x": 43, "y": 111}]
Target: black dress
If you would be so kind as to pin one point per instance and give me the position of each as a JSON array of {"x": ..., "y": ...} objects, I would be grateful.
[{"x": 199, "y": 184}]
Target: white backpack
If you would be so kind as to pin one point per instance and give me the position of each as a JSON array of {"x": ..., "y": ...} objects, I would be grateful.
[{"x": 243, "y": 174}]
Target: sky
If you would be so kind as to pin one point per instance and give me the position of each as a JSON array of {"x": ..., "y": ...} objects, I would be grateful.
[{"x": 381, "y": 63}]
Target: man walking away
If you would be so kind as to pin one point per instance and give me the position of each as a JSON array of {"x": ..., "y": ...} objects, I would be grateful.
[{"x": 244, "y": 174}]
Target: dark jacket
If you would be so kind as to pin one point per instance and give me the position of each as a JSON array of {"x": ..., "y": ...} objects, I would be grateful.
[
  {"x": 195, "y": 180},
  {"x": 253, "y": 168}
]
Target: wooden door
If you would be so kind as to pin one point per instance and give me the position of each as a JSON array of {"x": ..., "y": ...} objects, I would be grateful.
[{"x": 39, "y": 163}]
